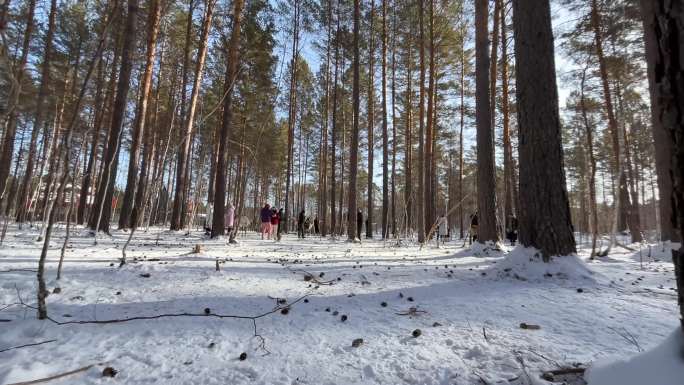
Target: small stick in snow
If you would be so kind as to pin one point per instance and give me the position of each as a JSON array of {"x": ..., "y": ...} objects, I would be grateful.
[
  {"x": 26, "y": 345},
  {"x": 46, "y": 379}
]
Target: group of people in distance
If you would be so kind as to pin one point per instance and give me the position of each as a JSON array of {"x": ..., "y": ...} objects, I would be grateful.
[
  {"x": 271, "y": 218},
  {"x": 270, "y": 222}
]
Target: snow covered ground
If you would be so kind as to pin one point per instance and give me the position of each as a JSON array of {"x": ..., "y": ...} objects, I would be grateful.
[{"x": 468, "y": 306}]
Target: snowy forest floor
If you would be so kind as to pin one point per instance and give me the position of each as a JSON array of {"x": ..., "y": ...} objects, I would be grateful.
[{"x": 468, "y": 307}]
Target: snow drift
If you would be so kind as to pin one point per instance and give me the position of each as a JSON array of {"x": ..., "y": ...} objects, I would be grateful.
[{"x": 662, "y": 365}]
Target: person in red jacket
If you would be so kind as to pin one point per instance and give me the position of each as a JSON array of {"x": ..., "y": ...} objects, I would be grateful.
[{"x": 275, "y": 221}]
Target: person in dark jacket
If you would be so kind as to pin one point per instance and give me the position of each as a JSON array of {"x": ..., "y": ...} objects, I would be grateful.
[
  {"x": 473, "y": 227},
  {"x": 281, "y": 217},
  {"x": 512, "y": 231},
  {"x": 265, "y": 221},
  {"x": 359, "y": 223},
  {"x": 300, "y": 224}
]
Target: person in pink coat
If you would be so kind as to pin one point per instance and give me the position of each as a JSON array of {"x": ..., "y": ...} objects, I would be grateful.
[{"x": 230, "y": 218}]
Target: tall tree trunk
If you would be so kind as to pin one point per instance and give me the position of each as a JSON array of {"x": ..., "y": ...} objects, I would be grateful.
[
  {"x": 545, "y": 223},
  {"x": 394, "y": 122},
  {"x": 667, "y": 71},
  {"x": 593, "y": 209},
  {"x": 354, "y": 142},
  {"x": 140, "y": 115},
  {"x": 460, "y": 133},
  {"x": 7, "y": 150},
  {"x": 421, "y": 124},
  {"x": 385, "y": 138},
  {"x": 408, "y": 140},
  {"x": 505, "y": 112},
  {"x": 486, "y": 183},
  {"x": 623, "y": 203},
  {"x": 371, "y": 122},
  {"x": 333, "y": 152},
  {"x": 429, "y": 198},
  {"x": 660, "y": 135},
  {"x": 178, "y": 212},
  {"x": 99, "y": 220},
  {"x": 182, "y": 181},
  {"x": 39, "y": 117},
  {"x": 218, "y": 220},
  {"x": 323, "y": 187},
  {"x": 292, "y": 110}
]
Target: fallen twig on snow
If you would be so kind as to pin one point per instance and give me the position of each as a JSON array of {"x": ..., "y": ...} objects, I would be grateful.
[
  {"x": 26, "y": 345},
  {"x": 46, "y": 379},
  {"x": 412, "y": 311},
  {"x": 550, "y": 375}
]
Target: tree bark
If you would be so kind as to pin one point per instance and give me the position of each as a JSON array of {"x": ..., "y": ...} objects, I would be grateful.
[
  {"x": 7, "y": 150},
  {"x": 429, "y": 198},
  {"x": 125, "y": 218},
  {"x": 486, "y": 184},
  {"x": 218, "y": 221},
  {"x": 618, "y": 164},
  {"x": 292, "y": 111},
  {"x": 408, "y": 140},
  {"x": 333, "y": 153},
  {"x": 178, "y": 212},
  {"x": 371, "y": 122},
  {"x": 545, "y": 221},
  {"x": 505, "y": 112},
  {"x": 354, "y": 142},
  {"x": 668, "y": 88},
  {"x": 24, "y": 188},
  {"x": 660, "y": 135},
  {"x": 187, "y": 132},
  {"x": 421, "y": 124},
  {"x": 99, "y": 219},
  {"x": 385, "y": 138}
]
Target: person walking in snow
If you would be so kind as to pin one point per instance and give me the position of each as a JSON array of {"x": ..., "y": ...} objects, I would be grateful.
[
  {"x": 443, "y": 229},
  {"x": 229, "y": 218},
  {"x": 266, "y": 222},
  {"x": 281, "y": 215},
  {"x": 275, "y": 222},
  {"x": 473, "y": 227},
  {"x": 512, "y": 231},
  {"x": 359, "y": 223},
  {"x": 300, "y": 224}
]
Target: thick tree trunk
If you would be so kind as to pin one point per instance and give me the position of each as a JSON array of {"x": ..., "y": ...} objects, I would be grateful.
[
  {"x": 218, "y": 220},
  {"x": 660, "y": 135},
  {"x": 486, "y": 183},
  {"x": 354, "y": 142},
  {"x": 545, "y": 223},
  {"x": 667, "y": 69},
  {"x": 140, "y": 115}
]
